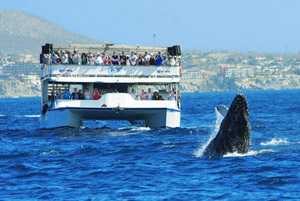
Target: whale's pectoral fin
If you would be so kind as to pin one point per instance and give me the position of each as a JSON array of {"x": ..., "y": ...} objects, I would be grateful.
[{"x": 222, "y": 109}]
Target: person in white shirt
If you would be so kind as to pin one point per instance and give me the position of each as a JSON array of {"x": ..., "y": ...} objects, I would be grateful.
[
  {"x": 64, "y": 58},
  {"x": 147, "y": 58},
  {"x": 76, "y": 58},
  {"x": 91, "y": 59},
  {"x": 171, "y": 95},
  {"x": 132, "y": 59},
  {"x": 133, "y": 94},
  {"x": 149, "y": 94},
  {"x": 99, "y": 60}
]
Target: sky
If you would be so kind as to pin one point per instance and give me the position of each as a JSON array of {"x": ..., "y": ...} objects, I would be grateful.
[{"x": 234, "y": 25}]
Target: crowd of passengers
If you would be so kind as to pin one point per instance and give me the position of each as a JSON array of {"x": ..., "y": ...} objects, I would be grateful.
[
  {"x": 87, "y": 95},
  {"x": 105, "y": 60}
]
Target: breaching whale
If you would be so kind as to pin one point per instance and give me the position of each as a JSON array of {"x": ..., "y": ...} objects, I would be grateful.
[{"x": 234, "y": 132}]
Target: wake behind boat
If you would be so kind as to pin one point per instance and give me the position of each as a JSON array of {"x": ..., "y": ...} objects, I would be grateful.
[{"x": 76, "y": 85}]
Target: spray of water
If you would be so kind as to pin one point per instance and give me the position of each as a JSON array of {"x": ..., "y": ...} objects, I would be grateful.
[{"x": 213, "y": 133}]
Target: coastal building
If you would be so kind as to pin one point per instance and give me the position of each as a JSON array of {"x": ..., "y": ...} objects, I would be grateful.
[
  {"x": 236, "y": 71},
  {"x": 192, "y": 74}
]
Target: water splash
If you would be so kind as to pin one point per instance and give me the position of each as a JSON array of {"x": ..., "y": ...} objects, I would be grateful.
[
  {"x": 275, "y": 142},
  {"x": 250, "y": 153},
  {"x": 214, "y": 132}
]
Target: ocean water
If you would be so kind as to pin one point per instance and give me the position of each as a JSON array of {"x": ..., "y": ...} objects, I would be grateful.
[{"x": 109, "y": 160}]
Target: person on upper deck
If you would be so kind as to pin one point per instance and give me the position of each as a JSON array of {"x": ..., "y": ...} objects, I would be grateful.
[
  {"x": 67, "y": 94},
  {"x": 140, "y": 61},
  {"x": 143, "y": 96},
  {"x": 84, "y": 58},
  {"x": 147, "y": 58},
  {"x": 176, "y": 62},
  {"x": 123, "y": 59},
  {"x": 171, "y": 61},
  {"x": 76, "y": 58},
  {"x": 106, "y": 59},
  {"x": 91, "y": 59},
  {"x": 115, "y": 59},
  {"x": 64, "y": 58},
  {"x": 132, "y": 59},
  {"x": 70, "y": 58},
  {"x": 99, "y": 60},
  {"x": 152, "y": 60},
  {"x": 158, "y": 59},
  {"x": 54, "y": 58}
]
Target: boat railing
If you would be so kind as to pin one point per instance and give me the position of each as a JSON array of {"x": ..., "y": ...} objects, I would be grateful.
[{"x": 110, "y": 71}]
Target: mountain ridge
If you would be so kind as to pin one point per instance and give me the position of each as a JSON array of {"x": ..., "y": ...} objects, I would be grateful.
[{"x": 22, "y": 33}]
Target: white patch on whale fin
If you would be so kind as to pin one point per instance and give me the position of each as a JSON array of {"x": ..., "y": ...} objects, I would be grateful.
[
  {"x": 214, "y": 132},
  {"x": 222, "y": 109}
]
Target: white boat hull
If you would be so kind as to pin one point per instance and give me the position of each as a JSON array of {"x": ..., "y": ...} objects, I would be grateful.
[{"x": 70, "y": 113}]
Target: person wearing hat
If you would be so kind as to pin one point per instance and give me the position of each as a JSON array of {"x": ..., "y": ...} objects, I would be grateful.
[
  {"x": 156, "y": 96},
  {"x": 76, "y": 57},
  {"x": 91, "y": 59},
  {"x": 99, "y": 60},
  {"x": 152, "y": 59},
  {"x": 115, "y": 59},
  {"x": 64, "y": 58}
]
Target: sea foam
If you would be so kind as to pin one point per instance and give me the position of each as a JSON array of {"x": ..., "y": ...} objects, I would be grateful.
[{"x": 275, "y": 142}]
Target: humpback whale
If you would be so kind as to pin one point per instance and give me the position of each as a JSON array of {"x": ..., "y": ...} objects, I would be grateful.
[{"x": 234, "y": 133}]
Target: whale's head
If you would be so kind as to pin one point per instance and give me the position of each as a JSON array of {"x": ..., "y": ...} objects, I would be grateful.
[{"x": 234, "y": 133}]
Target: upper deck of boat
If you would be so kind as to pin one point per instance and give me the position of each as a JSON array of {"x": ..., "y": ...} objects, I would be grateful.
[{"x": 83, "y": 73}]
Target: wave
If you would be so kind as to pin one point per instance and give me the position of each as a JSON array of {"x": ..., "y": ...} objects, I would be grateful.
[
  {"x": 275, "y": 142},
  {"x": 32, "y": 116},
  {"x": 250, "y": 153}
]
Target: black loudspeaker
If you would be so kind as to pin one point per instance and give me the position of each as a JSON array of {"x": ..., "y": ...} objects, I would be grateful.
[
  {"x": 41, "y": 59},
  {"x": 171, "y": 51},
  {"x": 177, "y": 50},
  {"x": 49, "y": 47},
  {"x": 45, "y": 50}
]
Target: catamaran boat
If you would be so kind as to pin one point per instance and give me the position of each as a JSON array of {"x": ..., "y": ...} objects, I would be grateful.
[{"x": 117, "y": 81}]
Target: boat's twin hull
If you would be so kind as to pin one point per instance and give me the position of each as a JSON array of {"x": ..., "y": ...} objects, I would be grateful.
[{"x": 72, "y": 117}]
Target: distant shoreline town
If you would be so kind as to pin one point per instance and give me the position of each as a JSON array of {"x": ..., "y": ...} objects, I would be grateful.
[{"x": 201, "y": 72}]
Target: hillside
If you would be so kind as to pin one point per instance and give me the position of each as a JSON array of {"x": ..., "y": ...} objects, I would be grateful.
[{"x": 23, "y": 33}]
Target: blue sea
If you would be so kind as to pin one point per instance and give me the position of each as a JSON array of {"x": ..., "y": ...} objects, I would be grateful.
[{"x": 109, "y": 160}]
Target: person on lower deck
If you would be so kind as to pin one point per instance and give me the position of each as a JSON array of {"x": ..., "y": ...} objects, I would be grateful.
[
  {"x": 133, "y": 94},
  {"x": 67, "y": 94},
  {"x": 75, "y": 95},
  {"x": 96, "y": 94},
  {"x": 80, "y": 94},
  {"x": 87, "y": 94},
  {"x": 156, "y": 96},
  {"x": 149, "y": 94},
  {"x": 171, "y": 95},
  {"x": 143, "y": 96},
  {"x": 58, "y": 94}
]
